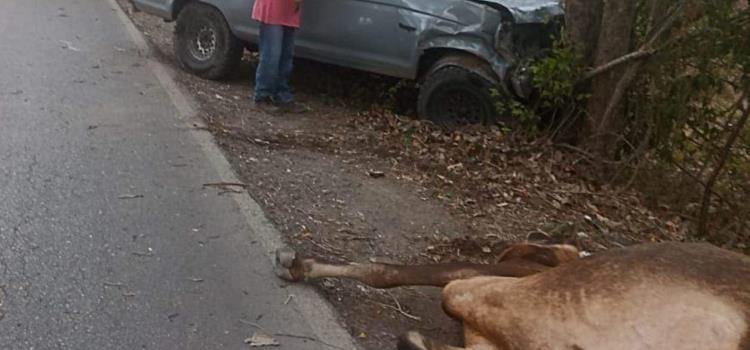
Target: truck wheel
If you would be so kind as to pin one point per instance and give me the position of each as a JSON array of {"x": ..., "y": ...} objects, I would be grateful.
[
  {"x": 452, "y": 96},
  {"x": 204, "y": 44}
]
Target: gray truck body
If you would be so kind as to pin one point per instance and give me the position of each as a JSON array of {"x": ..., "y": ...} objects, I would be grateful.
[{"x": 391, "y": 37}]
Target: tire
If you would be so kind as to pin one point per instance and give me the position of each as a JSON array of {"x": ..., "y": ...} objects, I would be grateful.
[
  {"x": 452, "y": 96},
  {"x": 204, "y": 44}
]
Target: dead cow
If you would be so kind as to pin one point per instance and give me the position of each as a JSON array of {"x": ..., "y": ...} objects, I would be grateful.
[{"x": 655, "y": 296}]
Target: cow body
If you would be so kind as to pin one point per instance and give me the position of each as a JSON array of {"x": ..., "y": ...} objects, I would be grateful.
[
  {"x": 666, "y": 296},
  {"x": 655, "y": 296}
]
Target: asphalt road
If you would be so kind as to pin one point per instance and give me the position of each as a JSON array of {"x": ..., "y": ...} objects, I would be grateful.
[{"x": 108, "y": 238}]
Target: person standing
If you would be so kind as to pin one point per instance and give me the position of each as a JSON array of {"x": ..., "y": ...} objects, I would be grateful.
[{"x": 279, "y": 21}]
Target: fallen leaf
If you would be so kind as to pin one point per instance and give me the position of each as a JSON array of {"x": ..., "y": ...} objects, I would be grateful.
[
  {"x": 142, "y": 254},
  {"x": 69, "y": 46},
  {"x": 456, "y": 167},
  {"x": 130, "y": 196},
  {"x": 261, "y": 340}
]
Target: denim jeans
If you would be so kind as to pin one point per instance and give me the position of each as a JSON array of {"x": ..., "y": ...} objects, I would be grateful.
[{"x": 276, "y": 46}]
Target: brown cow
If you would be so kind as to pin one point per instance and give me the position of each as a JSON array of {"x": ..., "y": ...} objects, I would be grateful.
[{"x": 655, "y": 296}]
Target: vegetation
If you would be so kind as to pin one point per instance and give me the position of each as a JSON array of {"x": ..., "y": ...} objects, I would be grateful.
[{"x": 658, "y": 92}]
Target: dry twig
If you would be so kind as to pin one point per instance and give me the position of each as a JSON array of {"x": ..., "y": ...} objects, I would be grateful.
[{"x": 398, "y": 308}]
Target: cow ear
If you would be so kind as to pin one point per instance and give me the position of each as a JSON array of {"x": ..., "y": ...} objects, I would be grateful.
[{"x": 546, "y": 254}]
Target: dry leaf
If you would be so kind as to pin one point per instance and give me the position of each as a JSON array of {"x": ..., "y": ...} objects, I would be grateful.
[
  {"x": 376, "y": 173},
  {"x": 261, "y": 340}
]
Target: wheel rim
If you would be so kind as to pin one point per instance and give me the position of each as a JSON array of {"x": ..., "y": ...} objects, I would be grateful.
[
  {"x": 203, "y": 44},
  {"x": 458, "y": 106}
]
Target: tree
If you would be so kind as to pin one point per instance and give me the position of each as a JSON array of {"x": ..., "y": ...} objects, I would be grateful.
[{"x": 669, "y": 79}]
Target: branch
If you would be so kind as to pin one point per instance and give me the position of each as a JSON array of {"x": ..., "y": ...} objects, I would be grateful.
[
  {"x": 646, "y": 50},
  {"x": 620, "y": 89},
  {"x": 726, "y": 153},
  {"x": 305, "y": 337},
  {"x": 616, "y": 63},
  {"x": 698, "y": 180},
  {"x": 637, "y": 153},
  {"x": 398, "y": 308},
  {"x": 668, "y": 23}
]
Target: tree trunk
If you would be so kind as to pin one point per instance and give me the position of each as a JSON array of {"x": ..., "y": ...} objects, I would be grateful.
[
  {"x": 583, "y": 19},
  {"x": 605, "y": 120},
  {"x": 601, "y": 32}
]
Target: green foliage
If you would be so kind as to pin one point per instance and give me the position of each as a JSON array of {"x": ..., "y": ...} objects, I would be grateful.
[
  {"x": 526, "y": 117},
  {"x": 681, "y": 109},
  {"x": 689, "y": 93},
  {"x": 391, "y": 94},
  {"x": 685, "y": 107},
  {"x": 397, "y": 95},
  {"x": 556, "y": 76},
  {"x": 555, "y": 79}
]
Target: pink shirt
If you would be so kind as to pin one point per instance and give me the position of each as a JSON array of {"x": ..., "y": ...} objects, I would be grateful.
[{"x": 282, "y": 12}]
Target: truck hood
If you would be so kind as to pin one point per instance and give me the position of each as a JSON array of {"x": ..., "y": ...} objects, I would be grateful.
[{"x": 528, "y": 11}]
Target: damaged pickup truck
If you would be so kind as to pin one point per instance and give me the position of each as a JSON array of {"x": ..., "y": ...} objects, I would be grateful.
[{"x": 458, "y": 50}]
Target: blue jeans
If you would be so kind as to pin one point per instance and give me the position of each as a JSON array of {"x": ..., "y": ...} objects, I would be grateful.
[{"x": 276, "y": 46}]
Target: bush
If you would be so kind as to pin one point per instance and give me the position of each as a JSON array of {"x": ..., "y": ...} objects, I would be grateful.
[{"x": 684, "y": 109}]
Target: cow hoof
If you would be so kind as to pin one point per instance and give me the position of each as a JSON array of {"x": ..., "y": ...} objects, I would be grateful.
[
  {"x": 285, "y": 258},
  {"x": 412, "y": 341}
]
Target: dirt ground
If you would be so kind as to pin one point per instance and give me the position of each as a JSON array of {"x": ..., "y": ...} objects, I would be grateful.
[{"x": 352, "y": 181}]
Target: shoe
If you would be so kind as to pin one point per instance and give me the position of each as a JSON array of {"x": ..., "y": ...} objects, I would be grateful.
[
  {"x": 293, "y": 108},
  {"x": 266, "y": 104}
]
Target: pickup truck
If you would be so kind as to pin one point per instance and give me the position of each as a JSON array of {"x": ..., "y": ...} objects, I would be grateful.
[{"x": 463, "y": 53}]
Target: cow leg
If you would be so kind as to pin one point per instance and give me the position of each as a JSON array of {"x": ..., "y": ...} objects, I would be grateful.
[
  {"x": 475, "y": 341},
  {"x": 416, "y": 341},
  {"x": 291, "y": 267}
]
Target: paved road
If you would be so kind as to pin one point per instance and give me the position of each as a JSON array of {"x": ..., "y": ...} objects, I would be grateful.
[{"x": 107, "y": 238}]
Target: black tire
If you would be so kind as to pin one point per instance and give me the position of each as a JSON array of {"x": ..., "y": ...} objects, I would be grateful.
[
  {"x": 452, "y": 96},
  {"x": 204, "y": 44}
]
